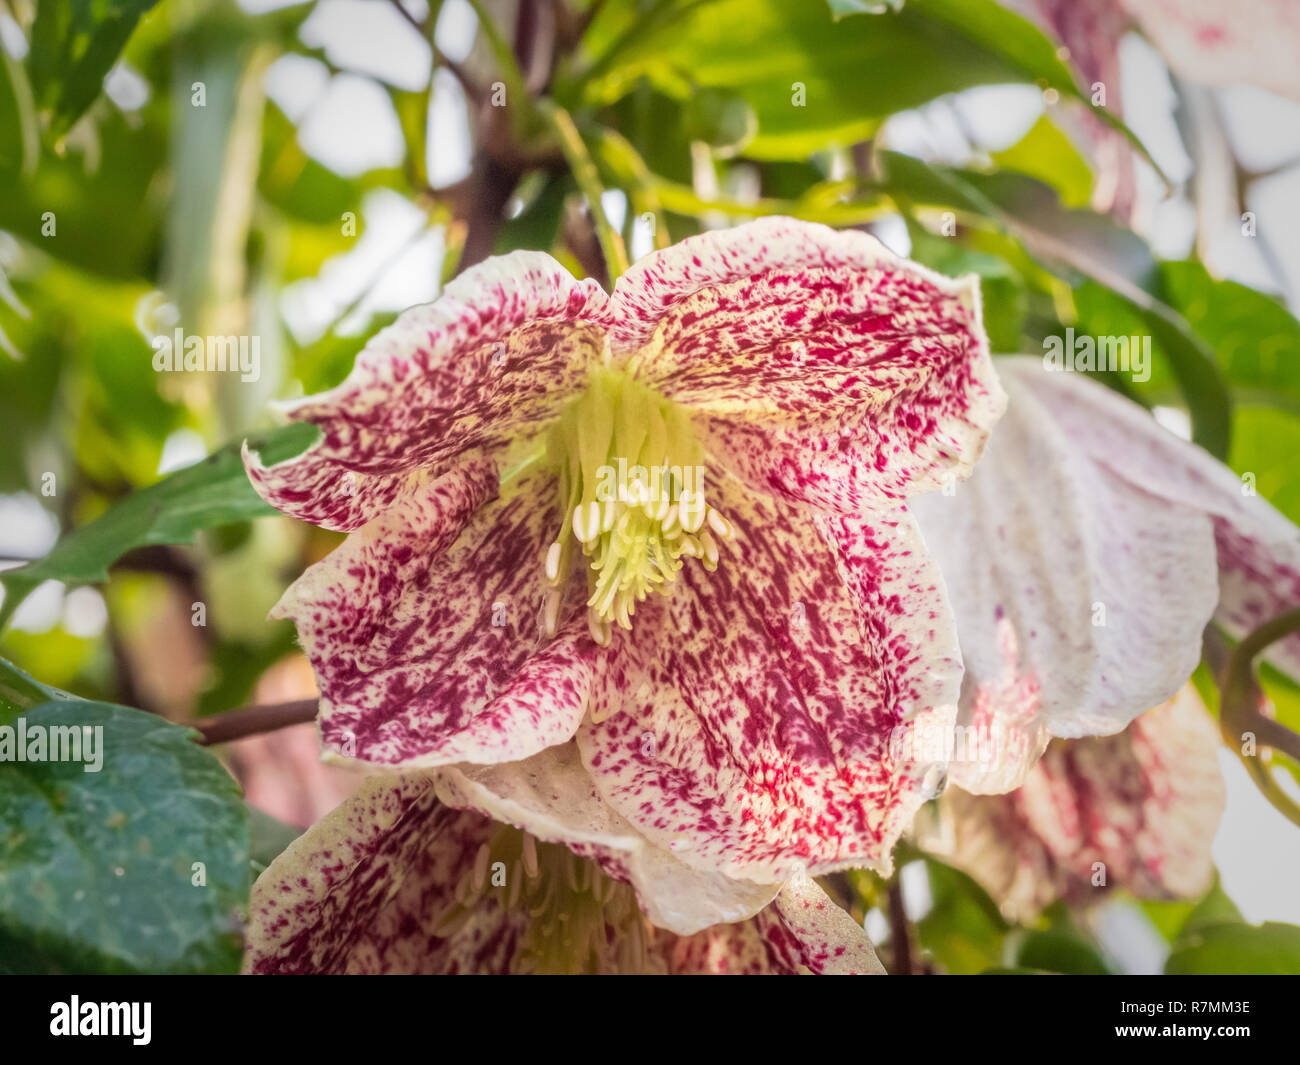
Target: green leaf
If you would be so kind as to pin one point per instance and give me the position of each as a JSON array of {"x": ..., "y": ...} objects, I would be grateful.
[
  {"x": 1255, "y": 338},
  {"x": 963, "y": 930},
  {"x": 213, "y": 492},
  {"x": 854, "y": 71},
  {"x": 1049, "y": 155},
  {"x": 73, "y": 47},
  {"x": 138, "y": 866},
  {"x": 1056, "y": 952},
  {"x": 267, "y": 838},
  {"x": 1270, "y": 949}
]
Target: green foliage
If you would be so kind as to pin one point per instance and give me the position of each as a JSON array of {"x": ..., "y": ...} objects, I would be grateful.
[
  {"x": 73, "y": 46},
  {"x": 213, "y": 492},
  {"x": 854, "y": 72},
  {"x": 140, "y": 866}
]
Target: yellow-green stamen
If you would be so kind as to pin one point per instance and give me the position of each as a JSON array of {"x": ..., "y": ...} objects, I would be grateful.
[{"x": 631, "y": 485}]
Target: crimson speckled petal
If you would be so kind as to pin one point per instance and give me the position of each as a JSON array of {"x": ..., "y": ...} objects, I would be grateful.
[
  {"x": 551, "y": 796},
  {"x": 816, "y": 363},
  {"x": 761, "y": 744},
  {"x": 1258, "y": 549},
  {"x": 392, "y": 881},
  {"x": 1144, "y": 804},
  {"x": 362, "y": 891},
  {"x": 500, "y": 350},
  {"x": 1080, "y": 596},
  {"x": 429, "y": 653}
]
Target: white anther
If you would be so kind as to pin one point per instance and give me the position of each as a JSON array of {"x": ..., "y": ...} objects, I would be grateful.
[
  {"x": 692, "y": 511},
  {"x": 611, "y": 512},
  {"x": 669, "y": 522},
  {"x": 719, "y": 524},
  {"x": 598, "y": 627},
  {"x": 553, "y": 561},
  {"x": 710, "y": 546},
  {"x": 551, "y": 613},
  {"x": 661, "y": 512}
]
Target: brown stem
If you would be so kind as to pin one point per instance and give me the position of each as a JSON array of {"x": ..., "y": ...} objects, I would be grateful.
[
  {"x": 252, "y": 720},
  {"x": 900, "y": 936}
]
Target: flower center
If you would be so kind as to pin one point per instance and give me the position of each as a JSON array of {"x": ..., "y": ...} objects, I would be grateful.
[{"x": 632, "y": 488}]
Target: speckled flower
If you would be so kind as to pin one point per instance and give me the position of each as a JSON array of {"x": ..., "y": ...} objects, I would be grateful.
[
  {"x": 393, "y": 881},
  {"x": 631, "y": 571},
  {"x": 1137, "y": 810},
  {"x": 1083, "y": 561}
]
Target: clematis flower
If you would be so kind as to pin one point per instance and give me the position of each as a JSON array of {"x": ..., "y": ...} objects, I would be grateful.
[
  {"x": 392, "y": 881},
  {"x": 1084, "y": 559},
  {"x": 631, "y": 572},
  {"x": 1136, "y": 810}
]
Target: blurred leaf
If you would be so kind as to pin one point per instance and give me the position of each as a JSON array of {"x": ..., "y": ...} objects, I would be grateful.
[
  {"x": 1056, "y": 952},
  {"x": 73, "y": 47},
  {"x": 98, "y": 867},
  {"x": 538, "y": 224},
  {"x": 213, "y": 492},
  {"x": 854, "y": 71},
  {"x": 721, "y": 119},
  {"x": 1048, "y": 154},
  {"x": 1255, "y": 338},
  {"x": 963, "y": 930},
  {"x": 1270, "y": 949},
  {"x": 1265, "y": 443},
  {"x": 1169, "y": 918},
  {"x": 268, "y": 837}
]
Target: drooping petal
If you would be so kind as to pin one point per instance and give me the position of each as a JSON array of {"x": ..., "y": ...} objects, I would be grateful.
[
  {"x": 765, "y": 741},
  {"x": 366, "y": 889},
  {"x": 1258, "y": 549},
  {"x": 428, "y": 647},
  {"x": 1216, "y": 42},
  {"x": 815, "y": 363},
  {"x": 501, "y": 349},
  {"x": 1080, "y": 596},
  {"x": 803, "y": 932},
  {"x": 830, "y": 942},
  {"x": 1137, "y": 810},
  {"x": 551, "y": 796},
  {"x": 392, "y": 881}
]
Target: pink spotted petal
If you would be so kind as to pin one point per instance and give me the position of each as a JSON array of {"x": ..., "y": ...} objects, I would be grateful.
[
  {"x": 1137, "y": 810},
  {"x": 428, "y": 647},
  {"x": 802, "y": 933},
  {"x": 498, "y": 352},
  {"x": 393, "y": 882},
  {"x": 363, "y": 891},
  {"x": 765, "y": 742},
  {"x": 1258, "y": 549},
  {"x": 816, "y": 363},
  {"x": 1080, "y": 595},
  {"x": 551, "y": 796}
]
